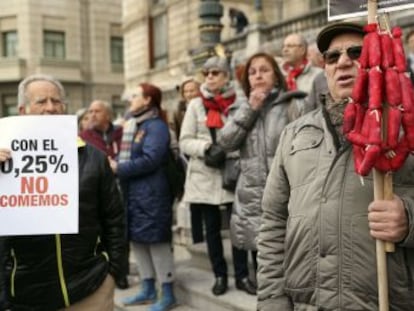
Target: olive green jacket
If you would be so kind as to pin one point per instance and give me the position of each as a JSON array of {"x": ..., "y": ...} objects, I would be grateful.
[{"x": 314, "y": 247}]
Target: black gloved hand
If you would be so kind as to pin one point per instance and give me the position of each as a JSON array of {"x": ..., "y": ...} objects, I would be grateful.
[{"x": 214, "y": 156}]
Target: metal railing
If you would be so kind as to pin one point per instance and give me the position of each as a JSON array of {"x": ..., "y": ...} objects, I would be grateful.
[
  {"x": 302, "y": 23},
  {"x": 315, "y": 19}
]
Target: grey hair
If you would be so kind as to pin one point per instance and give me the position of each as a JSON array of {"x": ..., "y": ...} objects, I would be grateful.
[
  {"x": 106, "y": 105},
  {"x": 303, "y": 41},
  {"x": 23, "y": 100},
  {"x": 217, "y": 62}
]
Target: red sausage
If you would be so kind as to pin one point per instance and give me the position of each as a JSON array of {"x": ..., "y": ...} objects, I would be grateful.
[
  {"x": 375, "y": 88},
  {"x": 359, "y": 91},
  {"x": 398, "y": 50},
  {"x": 387, "y": 57},
  {"x": 392, "y": 87},
  {"x": 393, "y": 127}
]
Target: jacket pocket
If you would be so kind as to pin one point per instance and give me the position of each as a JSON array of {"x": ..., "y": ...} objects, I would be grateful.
[
  {"x": 304, "y": 150},
  {"x": 300, "y": 259},
  {"x": 364, "y": 266}
]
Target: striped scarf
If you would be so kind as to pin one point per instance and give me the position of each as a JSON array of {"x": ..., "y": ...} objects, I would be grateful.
[{"x": 129, "y": 131}]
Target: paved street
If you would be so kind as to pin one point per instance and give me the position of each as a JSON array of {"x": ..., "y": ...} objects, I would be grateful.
[
  {"x": 181, "y": 254},
  {"x": 193, "y": 287}
]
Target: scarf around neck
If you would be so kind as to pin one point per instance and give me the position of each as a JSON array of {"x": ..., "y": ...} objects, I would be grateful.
[
  {"x": 293, "y": 73},
  {"x": 217, "y": 105},
  {"x": 129, "y": 131}
]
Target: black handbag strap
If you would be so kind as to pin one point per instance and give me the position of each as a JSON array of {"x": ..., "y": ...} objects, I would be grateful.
[
  {"x": 212, "y": 130},
  {"x": 213, "y": 134}
]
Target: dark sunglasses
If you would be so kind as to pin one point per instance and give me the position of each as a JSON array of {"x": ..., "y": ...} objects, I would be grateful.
[
  {"x": 331, "y": 57},
  {"x": 215, "y": 73}
]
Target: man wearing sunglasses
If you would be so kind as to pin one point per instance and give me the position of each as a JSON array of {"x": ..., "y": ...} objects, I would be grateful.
[{"x": 316, "y": 245}]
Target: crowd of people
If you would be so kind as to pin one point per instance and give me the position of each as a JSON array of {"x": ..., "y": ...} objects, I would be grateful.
[{"x": 297, "y": 208}]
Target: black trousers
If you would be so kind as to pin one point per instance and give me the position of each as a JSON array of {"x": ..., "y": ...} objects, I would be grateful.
[
  {"x": 197, "y": 228},
  {"x": 211, "y": 217}
]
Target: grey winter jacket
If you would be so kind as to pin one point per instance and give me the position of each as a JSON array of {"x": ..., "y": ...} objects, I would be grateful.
[
  {"x": 256, "y": 135},
  {"x": 314, "y": 247}
]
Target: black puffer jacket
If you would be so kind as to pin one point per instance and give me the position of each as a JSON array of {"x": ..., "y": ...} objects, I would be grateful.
[{"x": 50, "y": 272}]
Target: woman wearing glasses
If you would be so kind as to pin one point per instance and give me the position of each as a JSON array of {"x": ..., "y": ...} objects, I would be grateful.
[
  {"x": 254, "y": 129},
  {"x": 203, "y": 120}
]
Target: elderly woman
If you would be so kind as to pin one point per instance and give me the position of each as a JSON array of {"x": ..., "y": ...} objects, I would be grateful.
[
  {"x": 189, "y": 89},
  {"x": 202, "y": 122},
  {"x": 141, "y": 171},
  {"x": 253, "y": 129}
]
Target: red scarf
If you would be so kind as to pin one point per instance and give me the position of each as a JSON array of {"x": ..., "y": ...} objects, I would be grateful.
[
  {"x": 217, "y": 106},
  {"x": 293, "y": 73}
]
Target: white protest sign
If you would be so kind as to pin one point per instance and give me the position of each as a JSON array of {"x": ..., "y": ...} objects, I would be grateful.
[
  {"x": 341, "y": 9},
  {"x": 39, "y": 185}
]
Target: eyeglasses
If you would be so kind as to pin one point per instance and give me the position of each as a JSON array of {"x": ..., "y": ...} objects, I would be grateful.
[
  {"x": 214, "y": 73},
  {"x": 332, "y": 57}
]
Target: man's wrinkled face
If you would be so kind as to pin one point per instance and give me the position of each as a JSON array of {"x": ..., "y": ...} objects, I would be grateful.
[
  {"x": 99, "y": 116},
  {"x": 341, "y": 74},
  {"x": 293, "y": 51},
  {"x": 44, "y": 98}
]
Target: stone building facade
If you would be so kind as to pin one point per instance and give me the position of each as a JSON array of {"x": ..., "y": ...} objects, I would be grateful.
[
  {"x": 79, "y": 42},
  {"x": 162, "y": 36}
]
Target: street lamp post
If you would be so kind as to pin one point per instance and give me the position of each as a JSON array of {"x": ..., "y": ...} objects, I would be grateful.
[{"x": 210, "y": 13}]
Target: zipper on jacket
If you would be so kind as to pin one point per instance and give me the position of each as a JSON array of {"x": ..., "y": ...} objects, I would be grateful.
[
  {"x": 340, "y": 249},
  {"x": 60, "y": 270},
  {"x": 13, "y": 274},
  {"x": 341, "y": 151},
  {"x": 105, "y": 254}
]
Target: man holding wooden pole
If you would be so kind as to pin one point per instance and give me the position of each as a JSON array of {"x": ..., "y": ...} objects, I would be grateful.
[{"x": 316, "y": 246}]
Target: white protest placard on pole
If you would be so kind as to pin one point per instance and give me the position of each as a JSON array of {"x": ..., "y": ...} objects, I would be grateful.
[
  {"x": 342, "y": 9},
  {"x": 39, "y": 185}
]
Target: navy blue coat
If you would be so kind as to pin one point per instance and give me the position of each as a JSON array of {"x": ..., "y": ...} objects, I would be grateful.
[{"x": 145, "y": 184}]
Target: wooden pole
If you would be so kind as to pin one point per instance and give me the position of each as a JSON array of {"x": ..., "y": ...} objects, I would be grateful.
[
  {"x": 379, "y": 187},
  {"x": 382, "y": 276}
]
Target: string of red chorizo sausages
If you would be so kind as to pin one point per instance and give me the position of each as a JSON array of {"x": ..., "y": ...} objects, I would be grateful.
[{"x": 382, "y": 87}]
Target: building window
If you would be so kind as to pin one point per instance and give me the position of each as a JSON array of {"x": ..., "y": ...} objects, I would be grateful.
[
  {"x": 159, "y": 41},
  {"x": 54, "y": 44},
  {"x": 9, "y": 105},
  {"x": 117, "y": 50},
  {"x": 10, "y": 44},
  {"x": 118, "y": 106}
]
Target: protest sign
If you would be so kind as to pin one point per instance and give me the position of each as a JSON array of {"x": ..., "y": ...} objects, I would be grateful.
[
  {"x": 340, "y": 9},
  {"x": 39, "y": 184}
]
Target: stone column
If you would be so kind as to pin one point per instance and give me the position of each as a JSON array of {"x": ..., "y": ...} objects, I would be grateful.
[
  {"x": 210, "y": 13},
  {"x": 258, "y": 8},
  {"x": 255, "y": 37}
]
